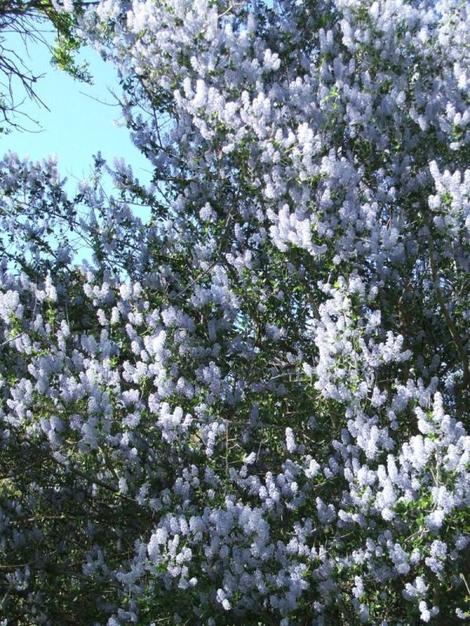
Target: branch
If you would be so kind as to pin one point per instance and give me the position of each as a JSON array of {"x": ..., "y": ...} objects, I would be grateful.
[{"x": 449, "y": 321}]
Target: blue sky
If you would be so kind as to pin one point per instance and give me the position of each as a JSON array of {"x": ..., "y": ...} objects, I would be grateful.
[{"x": 81, "y": 119}]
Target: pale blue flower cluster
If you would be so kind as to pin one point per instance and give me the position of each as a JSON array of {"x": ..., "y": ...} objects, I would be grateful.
[{"x": 253, "y": 409}]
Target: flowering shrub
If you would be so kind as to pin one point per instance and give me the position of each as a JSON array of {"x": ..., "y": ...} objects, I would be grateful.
[{"x": 251, "y": 409}]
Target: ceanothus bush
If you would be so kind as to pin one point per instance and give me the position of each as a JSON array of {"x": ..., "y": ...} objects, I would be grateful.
[{"x": 250, "y": 408}]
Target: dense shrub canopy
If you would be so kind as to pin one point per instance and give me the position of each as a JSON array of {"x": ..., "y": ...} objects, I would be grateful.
[{"x": 251, "y": 408}]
